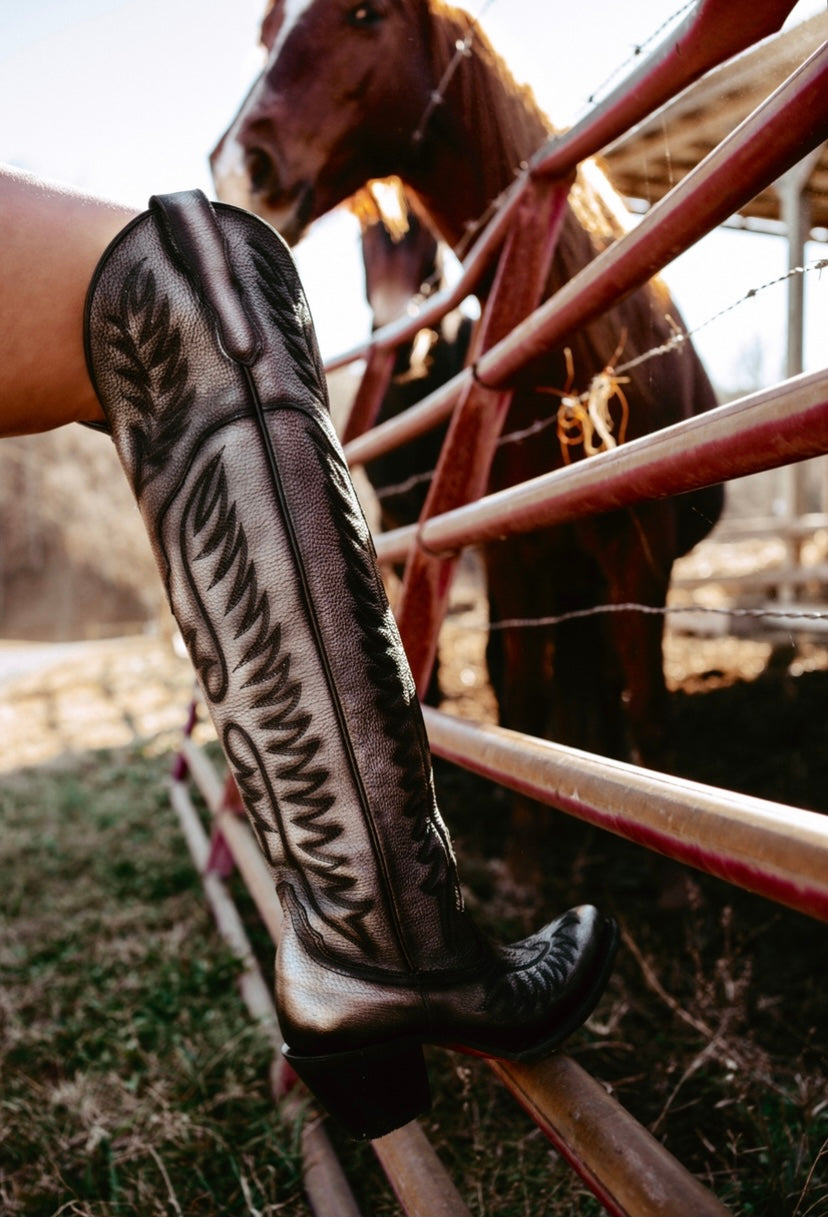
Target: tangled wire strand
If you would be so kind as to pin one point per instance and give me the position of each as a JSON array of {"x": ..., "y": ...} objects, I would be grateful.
[{"x": 679, "y": 337}]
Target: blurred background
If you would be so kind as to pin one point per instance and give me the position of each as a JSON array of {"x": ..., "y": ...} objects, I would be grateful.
[
  {"x": 126, "y": 99},
  {"x": 133, "y": 1080}
]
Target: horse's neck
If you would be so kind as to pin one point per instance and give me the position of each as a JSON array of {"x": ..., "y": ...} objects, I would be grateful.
[{"x": 484, "y": 128}]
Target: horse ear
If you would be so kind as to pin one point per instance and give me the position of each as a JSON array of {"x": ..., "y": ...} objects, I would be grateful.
[{"x": 267, "y": 30}]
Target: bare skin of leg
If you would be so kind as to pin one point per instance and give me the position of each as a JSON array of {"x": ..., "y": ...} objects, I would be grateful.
[{"x": 52, "y": 240}]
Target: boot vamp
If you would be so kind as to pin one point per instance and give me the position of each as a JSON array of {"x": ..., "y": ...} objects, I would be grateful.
[
  {"x": 530, "y": 994},
  {"x": 514, "y": 1001}
]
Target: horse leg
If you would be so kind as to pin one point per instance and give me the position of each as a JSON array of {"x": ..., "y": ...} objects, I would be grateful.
[
  {"x": 519, "y": 663},
  {"x": 587, "y": 708},
  {"x": 640, "y": 574},
  {"x": 635, "y": 549},
  {"x": 555, "y": 681}
]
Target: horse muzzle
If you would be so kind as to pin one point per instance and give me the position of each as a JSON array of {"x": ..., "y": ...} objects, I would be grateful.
[{"x": 246, "y": 174}]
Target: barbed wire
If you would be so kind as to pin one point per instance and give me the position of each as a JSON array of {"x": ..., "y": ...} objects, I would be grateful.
[
  {"x": 515, "y": 623},
  {"x": 681, "y": 336},
  {"x": 463, "y": 49},
  {"x": 638, "y": 49}
]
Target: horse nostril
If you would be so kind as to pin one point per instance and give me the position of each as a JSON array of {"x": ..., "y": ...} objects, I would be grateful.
[{"x": 259, "y": 168}]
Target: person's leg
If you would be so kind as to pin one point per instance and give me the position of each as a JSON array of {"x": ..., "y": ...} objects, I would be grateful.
[
  {"x": 52, "y": 239},
  {"x": 203, "y": 353}
]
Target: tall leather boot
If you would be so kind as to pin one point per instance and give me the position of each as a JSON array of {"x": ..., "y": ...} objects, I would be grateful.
[{"x": 202, "y": 351}]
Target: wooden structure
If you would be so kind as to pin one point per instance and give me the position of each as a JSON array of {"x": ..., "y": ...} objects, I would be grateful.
[
  {"x": 647, "y": 161},
  {"x": 778, "y": 851}
]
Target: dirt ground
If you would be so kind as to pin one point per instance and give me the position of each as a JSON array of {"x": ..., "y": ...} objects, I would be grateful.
[{"x": 91, "y": 695}]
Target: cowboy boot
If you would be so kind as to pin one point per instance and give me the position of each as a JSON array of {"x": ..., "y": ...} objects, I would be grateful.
[{"x": 202, "y": 351}]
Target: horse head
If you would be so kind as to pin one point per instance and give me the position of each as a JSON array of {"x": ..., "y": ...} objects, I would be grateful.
[
  {"x": 343, "y": 89},
  {"x": 360, "y": 89},
  {"x": 355, "y": 90}
]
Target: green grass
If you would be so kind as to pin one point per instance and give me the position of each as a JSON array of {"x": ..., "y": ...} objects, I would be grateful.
[
  {"x": 132, "y": 1079},
  {"x": 133, "y": 1082}
]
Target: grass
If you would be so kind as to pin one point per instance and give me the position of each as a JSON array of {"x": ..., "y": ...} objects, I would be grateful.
[
  {"x": 712, "y": 1032},
  {"x": 133, "y": 1082}
]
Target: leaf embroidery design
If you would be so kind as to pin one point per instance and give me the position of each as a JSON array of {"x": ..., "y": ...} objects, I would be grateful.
[
  {"x": 535, "y": 971},
  {"x": 153, "y": 370},
  {"x": 404, "y": 732},
  {"x": 290, "y": 315},
  {"x": 279, "y": 776}
]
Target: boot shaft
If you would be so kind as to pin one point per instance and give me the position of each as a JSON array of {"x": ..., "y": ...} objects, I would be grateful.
[
  {"x": 201, "y": 348},
  {"x": 202, "y": 351}
]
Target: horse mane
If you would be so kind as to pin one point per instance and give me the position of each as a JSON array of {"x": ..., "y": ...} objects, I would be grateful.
[
  {"x": 510, "y": 122},
  {"x": 510, "y": 125},
  {"x": 382, "y": 201}
]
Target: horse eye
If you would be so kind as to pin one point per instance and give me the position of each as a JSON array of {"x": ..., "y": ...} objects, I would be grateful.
[{"x": 364, "y": 15}]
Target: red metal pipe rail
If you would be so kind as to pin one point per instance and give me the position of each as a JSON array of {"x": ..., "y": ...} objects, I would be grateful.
[
  {"x": 776, "y": 851},
  {"x": 784, "y": 128},
  {"x": 772, "y": 427},
  {"x": 325, "y": 1184},
  {"x": 468, "y": 449},
  {"x": 779, "y": 132},
  {"x": 411, "y": 1165},
  {"x": 594, "y": 1134},
  {"x": 713, "y": 33},
  {"x": 631, "y": 1173}
]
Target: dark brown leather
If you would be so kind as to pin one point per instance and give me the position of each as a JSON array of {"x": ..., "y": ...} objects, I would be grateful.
[{"x": 202, "y": 351}]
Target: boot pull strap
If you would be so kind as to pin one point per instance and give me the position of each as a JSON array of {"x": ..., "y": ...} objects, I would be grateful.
[{"x": 189, "y": 225}]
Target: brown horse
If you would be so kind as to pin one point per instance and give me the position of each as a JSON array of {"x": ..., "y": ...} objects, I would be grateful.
[
  {"x": 402, "y": 261},
  {"x": 359, "y": 89},
  {"x": 403, "y": 264}
]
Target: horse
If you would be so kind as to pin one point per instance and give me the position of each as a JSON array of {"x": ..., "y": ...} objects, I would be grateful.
[
  {"x": 355, "y": 90},
  {"x": 403, "y": 265}
]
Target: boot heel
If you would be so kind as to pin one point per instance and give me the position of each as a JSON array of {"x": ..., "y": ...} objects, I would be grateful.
[{"x": 370, "y": 1091}]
